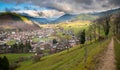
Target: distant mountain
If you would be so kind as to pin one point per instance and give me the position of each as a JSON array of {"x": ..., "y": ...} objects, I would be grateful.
[
  {"x": 13, "y": 21},
  {"x": 36, "y": 16},
  {"x": 112, "y": 11},
  {"x": 39, "y": 20},
  {"x": 65, "y": 17}
]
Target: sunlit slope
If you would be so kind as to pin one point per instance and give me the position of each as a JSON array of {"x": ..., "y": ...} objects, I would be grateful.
[
  {"x": 74, "y": 26},
  {"x": 85, "y": 17}
]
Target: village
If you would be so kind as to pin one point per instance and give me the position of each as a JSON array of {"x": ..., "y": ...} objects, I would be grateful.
[{"x": 44, "y": 41}]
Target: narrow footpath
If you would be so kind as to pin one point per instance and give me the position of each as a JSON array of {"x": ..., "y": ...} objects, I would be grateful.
[{"x": 108, "y": 58}]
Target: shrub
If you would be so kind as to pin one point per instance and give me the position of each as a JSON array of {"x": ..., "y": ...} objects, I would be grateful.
[
  {"x": 36, "y": 58},
  {"x": 4, "y": 63}
]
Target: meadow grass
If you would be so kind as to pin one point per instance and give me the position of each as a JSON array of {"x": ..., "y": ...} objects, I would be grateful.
[
  {"x": 41, "y": 39},
  {"x": 13, "y": 57}
]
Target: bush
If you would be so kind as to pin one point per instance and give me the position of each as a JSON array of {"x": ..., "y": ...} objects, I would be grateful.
[{"x": 36, "y": 58}]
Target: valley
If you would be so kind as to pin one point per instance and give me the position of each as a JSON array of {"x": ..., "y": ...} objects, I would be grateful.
[{"x": 38, "y": 40}]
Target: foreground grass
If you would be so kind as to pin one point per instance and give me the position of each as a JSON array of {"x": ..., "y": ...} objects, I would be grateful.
[
  {"x": 13, "y": 57},
  {"x": 72, "y": 60},
  {"x": 117, "y": 54}
]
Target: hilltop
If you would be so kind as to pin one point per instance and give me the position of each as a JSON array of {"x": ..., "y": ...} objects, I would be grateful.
[{"x": 13, "y": 21}]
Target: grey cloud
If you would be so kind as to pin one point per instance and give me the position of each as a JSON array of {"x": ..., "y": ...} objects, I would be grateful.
[
  {"x": 74, "y": 6},
  {"x": 84, "y": 1}
]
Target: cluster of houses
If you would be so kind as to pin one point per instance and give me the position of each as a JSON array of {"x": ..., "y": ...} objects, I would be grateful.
[{"x": 42, "y": 44}]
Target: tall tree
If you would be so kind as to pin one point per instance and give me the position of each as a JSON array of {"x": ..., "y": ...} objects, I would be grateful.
[
  {"x": 81, "y": 37},
  {"x": 22, "y": 46},
  {"x": 107, "y": 25},
  {"x": 116, "y": 22}
]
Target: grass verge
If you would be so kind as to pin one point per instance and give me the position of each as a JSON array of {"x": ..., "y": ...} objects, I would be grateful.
[{"x": 117, "y": 54}]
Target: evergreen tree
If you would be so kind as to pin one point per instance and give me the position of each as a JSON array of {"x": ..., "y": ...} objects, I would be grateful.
[
  {"x": 107, "y": 27},
  {"x": 54, "y": 41},
  {"x": 27, "y": 47},
  {"x": 21, "y": 45},
  {"x": 81, "y": 37},
  {"x": 4, "y": 63},
  {"x": 14, "y": 48}
]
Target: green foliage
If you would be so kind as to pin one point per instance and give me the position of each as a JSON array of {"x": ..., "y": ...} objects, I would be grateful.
[
  {"x": 28, "y": 45},
  {"x": 4, "y": 63},
  {"x": 21, "y": 48},
  {"x": 21, "y": 45},
  {"x": 116, "y": 23},
  {"x": 81, "y": 37},
  {"x": 107, "y": 27},
  {"x": 54, "y": 41}
]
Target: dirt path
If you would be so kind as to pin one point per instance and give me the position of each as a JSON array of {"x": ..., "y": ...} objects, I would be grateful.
[{"x": 109, "y": 58}]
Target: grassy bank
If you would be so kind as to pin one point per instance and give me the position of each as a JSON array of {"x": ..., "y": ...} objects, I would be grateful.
[
  {"x": 13, "y": 57},
  {"x": 117, "y": 54},
  {"x": 72, "y": 60}
]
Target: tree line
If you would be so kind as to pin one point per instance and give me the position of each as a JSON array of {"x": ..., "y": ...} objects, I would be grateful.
[{"x": 21, "y": 47}]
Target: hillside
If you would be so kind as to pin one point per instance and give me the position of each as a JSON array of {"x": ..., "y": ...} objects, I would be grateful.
[
  {"x": 64, "y": 60},
  {"x": 85, "y": 17},
  {"x": 64, "y": 18},
  {"x": 13, "y": 21},
  {"x": 39, "y": 20}
]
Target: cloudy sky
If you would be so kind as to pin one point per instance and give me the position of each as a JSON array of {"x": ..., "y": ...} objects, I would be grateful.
[{"x": 65, "y": 6}]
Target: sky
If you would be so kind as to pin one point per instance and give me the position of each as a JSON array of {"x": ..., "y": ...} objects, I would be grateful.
[{"x": 65, "y": 6}]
